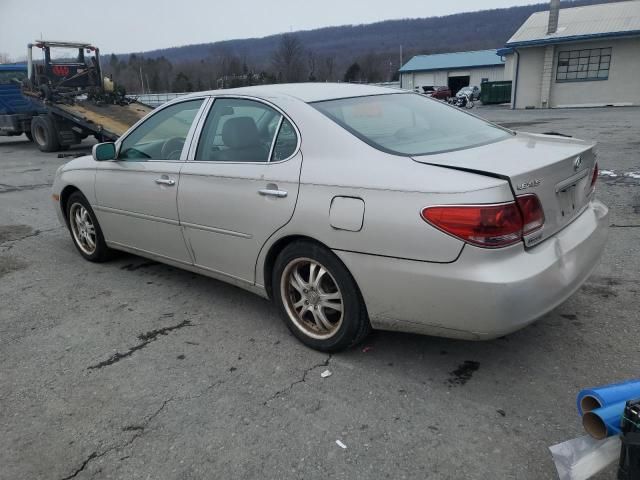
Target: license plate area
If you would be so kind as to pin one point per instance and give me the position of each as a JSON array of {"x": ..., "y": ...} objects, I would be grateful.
[{"x": 567, "y": 201}]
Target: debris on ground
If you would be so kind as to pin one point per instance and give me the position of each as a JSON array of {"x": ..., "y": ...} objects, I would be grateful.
[
  {"x": 340, "y": 444},
  {"x": 326, "y": 373}
]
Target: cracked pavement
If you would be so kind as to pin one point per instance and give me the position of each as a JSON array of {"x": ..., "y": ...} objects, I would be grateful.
[{"x": 132, "y": 369}]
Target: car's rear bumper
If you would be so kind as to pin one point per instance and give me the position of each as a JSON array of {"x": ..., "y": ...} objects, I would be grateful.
[{"x": 485, "y": 293}]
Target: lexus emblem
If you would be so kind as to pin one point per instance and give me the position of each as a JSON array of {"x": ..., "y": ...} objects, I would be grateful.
[{"x": 577, "y": 162}]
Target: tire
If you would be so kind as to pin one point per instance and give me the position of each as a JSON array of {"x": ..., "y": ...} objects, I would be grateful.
[
  {"x": 299, "y": 291},
  {"x": 89, "y": 241},
  {"x": 29, "y": 136},
  {"x": 44, "y": 133}
]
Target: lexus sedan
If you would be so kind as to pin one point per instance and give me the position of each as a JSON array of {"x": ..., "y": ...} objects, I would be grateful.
[{"x": 351, "y": 207}]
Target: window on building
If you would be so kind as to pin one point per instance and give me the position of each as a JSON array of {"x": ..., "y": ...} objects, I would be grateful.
[{"x": 583, "y": 65}]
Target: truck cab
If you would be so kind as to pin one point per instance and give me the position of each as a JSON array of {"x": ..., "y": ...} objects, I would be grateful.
[{"x": 16, "y": 110}]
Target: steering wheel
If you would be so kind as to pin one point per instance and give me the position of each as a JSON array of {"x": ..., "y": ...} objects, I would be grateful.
[{"x": 172, "y": 148}]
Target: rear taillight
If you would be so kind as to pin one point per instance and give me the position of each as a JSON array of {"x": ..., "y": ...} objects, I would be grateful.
[
  {"x": 594, "y": 177},
  {"x": 483, "y": 225},
  {"x": 489, "y": 226},
  {"x": 532, "y": 214}
]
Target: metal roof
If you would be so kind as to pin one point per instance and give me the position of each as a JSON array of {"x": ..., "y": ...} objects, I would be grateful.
[
  {"x": 581, "y": 23},
  {"x": 448, "y": 61},
  {"x": 13, "y": 67}
]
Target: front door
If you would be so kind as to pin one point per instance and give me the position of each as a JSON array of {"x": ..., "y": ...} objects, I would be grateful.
[
  {"x": 136, "y": 194},
  {"x": 241, "y": 185}
]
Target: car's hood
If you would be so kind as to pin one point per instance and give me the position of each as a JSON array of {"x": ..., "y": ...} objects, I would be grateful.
[{"x": 557, "y": 169}]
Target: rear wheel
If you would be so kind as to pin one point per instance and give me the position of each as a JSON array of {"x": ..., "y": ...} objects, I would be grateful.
[
  {"x": 44, "y": 133},
  {"x": 319, "y": 298},
  {"x": 85, "y": 230}
]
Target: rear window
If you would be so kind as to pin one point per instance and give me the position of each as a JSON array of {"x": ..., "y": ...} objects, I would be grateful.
[
  {"x": 409, "y": 124},
  {"x": 8, "y": 77}
]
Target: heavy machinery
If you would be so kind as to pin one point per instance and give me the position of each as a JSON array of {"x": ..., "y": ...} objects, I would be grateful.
[{"x": 76, "y": 99}]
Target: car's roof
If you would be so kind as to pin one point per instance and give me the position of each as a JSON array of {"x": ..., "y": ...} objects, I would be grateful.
[
  {"x": 14, "y": 67},
  {"x": 309, "y": 92}
]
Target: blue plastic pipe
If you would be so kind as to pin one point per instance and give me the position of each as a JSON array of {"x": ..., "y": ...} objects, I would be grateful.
[
  {"x": 598, "y": 397},
  {"x": 604, "y": 422}
]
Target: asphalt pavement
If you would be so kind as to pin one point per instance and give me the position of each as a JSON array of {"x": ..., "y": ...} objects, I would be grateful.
[{"x": 132, "y": 369}]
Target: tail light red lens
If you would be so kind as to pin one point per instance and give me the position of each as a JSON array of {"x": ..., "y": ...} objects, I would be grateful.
[
  {"x": 482, "y": 225},
  {"x": 532, "y": 213},
  {"x": 489, "y": 226},
  {"x": 594, "y": 177}
]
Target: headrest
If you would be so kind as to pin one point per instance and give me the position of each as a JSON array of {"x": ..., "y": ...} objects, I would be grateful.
[{"x": 240, "y": 132}]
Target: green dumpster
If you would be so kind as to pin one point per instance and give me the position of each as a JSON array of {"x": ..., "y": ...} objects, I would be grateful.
[{"x": 495, "y": 92}]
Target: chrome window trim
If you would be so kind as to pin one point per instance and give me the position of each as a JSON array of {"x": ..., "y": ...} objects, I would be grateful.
[
  {"x": 187, "y": 141},
  {"x": 198, "y": 133}
]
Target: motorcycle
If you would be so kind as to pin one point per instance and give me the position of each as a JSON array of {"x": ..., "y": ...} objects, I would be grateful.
[{"x": 462, "y": 101}]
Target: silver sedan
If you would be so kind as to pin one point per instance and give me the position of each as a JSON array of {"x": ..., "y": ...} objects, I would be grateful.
[{"x": 351, "y": 207}]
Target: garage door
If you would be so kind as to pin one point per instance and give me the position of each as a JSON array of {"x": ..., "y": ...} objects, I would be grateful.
[{"x": 424, "y": 80}]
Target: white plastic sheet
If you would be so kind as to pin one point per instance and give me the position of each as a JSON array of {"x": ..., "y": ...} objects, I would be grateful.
[{"x": 583, "y": 457}]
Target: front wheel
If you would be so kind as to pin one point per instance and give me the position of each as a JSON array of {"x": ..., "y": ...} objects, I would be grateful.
[
  {"x": 318, "y": 297},
  {"x": 85, "y": 230}
]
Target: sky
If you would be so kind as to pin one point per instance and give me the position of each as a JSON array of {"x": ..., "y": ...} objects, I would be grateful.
[{"x": 119, "y": 26}]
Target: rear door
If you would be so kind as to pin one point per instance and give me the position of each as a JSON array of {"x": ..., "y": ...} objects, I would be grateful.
[
  {"x": 240, "y": 184},
  {"x": 137, "y": 194}
]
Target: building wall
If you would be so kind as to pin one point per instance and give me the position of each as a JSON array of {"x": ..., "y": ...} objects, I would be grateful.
[
  {"x": 441, "y": 77},
  {"x": 621, "y": 88},
  {"x": 529, "y": 77}
]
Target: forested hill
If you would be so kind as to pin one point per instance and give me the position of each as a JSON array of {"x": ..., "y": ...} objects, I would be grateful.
[
  {"x": 354, "y": 53},
  {"x": 451, "y": 33}
]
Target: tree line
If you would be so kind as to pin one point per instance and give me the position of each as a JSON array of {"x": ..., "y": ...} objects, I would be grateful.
[{"x": 290, "y": 62}]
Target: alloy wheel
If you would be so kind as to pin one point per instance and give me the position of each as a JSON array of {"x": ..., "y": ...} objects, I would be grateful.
[
  {"x": 82, "y": 228},
  {"x": 312, "y": 298}
]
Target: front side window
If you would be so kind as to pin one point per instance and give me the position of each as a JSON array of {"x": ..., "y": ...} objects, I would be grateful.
[
  {"x": 583, "y": 65},
  {"x": 408, "y": 124},
  {"x": 161, "y": 136},
  {"x": 241, "y": 130}
]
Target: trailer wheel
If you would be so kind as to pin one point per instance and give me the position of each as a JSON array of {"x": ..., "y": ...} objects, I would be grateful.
[{"x": 44, "y": 133}]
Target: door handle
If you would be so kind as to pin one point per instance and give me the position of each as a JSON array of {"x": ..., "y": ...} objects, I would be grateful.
[
  {"x": 272, "y": 193},
  {"x": 165, "y": 181}
]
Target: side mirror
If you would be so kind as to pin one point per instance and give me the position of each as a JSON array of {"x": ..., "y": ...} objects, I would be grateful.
[{"x": 104, "y": 151}]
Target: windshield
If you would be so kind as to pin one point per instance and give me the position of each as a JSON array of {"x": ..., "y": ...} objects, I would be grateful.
[{"x": 408, "y": 124}]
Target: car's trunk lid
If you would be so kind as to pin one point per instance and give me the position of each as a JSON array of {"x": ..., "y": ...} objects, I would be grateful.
[{"x": 557, "y": 169}]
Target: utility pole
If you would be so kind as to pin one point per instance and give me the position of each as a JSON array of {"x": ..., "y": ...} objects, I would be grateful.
[
  {"x": 401, "y": 62},
  {"x": 141, "y": 80}
]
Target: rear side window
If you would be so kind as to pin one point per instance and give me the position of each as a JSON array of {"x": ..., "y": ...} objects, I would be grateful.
[
  {"x": 409, "y": 124},
  {"x": 241, "y": 130},
  {"x": 286, "y": 142}
]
